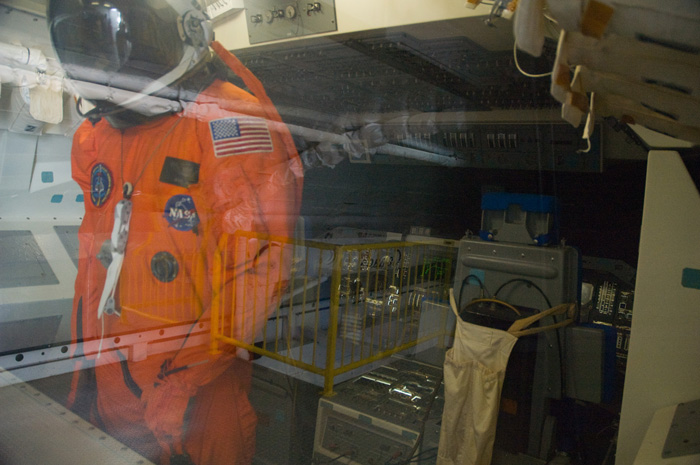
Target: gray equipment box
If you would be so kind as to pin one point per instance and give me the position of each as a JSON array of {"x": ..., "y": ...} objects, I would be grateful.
[
  {"x": 529, "y": 277},
  {"x": 522, "y": 275},
  {"x": 377, "y": 417}
]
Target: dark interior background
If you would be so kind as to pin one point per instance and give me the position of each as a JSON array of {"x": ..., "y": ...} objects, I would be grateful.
[
  {"x": 442, "y": 68},
  {"x": 601, "y": 213}
]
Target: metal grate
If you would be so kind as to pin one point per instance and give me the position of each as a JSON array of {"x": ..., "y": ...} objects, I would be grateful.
[{"x": 397, "y": 72}]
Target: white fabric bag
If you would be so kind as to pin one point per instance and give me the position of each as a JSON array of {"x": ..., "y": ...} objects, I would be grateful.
[{"x": 473, "y": 374}]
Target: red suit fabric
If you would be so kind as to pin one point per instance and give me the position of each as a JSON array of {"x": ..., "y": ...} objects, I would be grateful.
[{"x": 218, "y": 167}]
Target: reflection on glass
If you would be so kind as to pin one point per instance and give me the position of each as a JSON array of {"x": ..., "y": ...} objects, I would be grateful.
[{"x": 162, "y": 276}]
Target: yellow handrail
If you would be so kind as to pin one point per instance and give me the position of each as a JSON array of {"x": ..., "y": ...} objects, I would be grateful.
[{"x": 374, "y": 294}]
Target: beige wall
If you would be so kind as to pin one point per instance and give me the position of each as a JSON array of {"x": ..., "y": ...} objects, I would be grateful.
[
  {"x": 360, "y": 15},
  {"x": 664, "y": 358}
]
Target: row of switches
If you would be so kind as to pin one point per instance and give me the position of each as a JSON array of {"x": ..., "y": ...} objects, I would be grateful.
[
  {"x": 290, "y": 12},
  {"x": 502, "y": 141}
]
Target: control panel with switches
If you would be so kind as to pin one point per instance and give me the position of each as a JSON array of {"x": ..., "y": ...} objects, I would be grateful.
[
  {"x": 270, "y": 20},
  {"x": 389, "y": 415},
  {"x": 526, "y": 146}
]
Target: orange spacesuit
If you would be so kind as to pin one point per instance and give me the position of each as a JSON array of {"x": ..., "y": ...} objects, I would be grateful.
[{"x": 223, "y": 164}]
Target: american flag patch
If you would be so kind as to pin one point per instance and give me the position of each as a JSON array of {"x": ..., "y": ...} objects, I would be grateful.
[{"x": 238, "y": 136}]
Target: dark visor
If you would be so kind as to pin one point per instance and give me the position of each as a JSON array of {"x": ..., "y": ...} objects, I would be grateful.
[{"x": 127, "y": 39}]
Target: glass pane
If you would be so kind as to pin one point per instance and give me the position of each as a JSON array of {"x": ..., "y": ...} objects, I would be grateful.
[{"x": 318, "y": 237}]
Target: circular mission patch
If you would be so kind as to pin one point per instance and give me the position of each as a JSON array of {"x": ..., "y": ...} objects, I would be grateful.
[{"x": 101, "y": 184}]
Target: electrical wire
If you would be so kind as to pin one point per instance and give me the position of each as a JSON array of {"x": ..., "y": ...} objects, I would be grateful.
[
  {"x": 419, "y": 439},
  {"x": 586, "y": 150},
  {"x": 529, "y": 283},
  {"x": 560, "y": 349},
  {"x": 417, "y": 458},
  {"x": 493, "y": 301},
  {"x": 340, "y": 456},
  {"x": 484, "y": 291},
  {"x": 523, "y": 72},
  {"x": 423, "y": 459},
  {"x": 562, "y": 366},
  {"x": 590, "y": 114},
  {"x": 550, "y": 18},
  {"x": 610, "y": 452}
]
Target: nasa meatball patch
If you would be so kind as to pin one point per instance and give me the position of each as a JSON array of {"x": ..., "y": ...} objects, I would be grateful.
[
  {"x": 101, "y": 184},
  {"x": 181, "y": 213}
]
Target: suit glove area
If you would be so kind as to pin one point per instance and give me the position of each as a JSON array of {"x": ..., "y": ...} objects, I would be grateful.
[
  {"x": 166, "y": 399},
  {"x": 165, "y": 403}
]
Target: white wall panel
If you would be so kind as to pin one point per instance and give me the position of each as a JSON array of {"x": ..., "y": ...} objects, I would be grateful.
[{"x": 664, "y": 358}]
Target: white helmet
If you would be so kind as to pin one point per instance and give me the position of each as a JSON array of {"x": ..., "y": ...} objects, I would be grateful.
[{"x": 136, "y": 45}]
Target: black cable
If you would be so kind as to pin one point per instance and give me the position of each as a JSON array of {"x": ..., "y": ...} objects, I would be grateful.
[
  {"x": 423, "y": 459},
  {"x": 417, "y": 458},
  {"x": 529, "y": 283},
  {"x": 340, "y": 456},
  {"x": 419, "y": 439},
  {"x": 562, "y": 367},
  {"x": 202, "y": 313},
  {"x": 465, "y": 282},
  {"x": 126, "y": 374}
]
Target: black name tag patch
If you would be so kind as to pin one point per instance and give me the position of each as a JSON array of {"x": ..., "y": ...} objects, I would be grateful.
[{"x": 179, "y": 172}]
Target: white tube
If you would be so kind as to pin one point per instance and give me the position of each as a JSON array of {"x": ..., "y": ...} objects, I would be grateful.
[
  {"x": 147, "y": 105},
  {"x": 150, "y": 105},
  {"x": 415, "y": 154},
  {"x": 144, "y": 104},
  {"x": 23, "y": 77},
  {"x": 388, "y": 149},
  {"x": 24, "y": 56},
  {"x": 316, "y": 135}
]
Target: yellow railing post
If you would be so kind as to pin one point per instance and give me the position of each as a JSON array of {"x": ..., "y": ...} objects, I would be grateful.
[
  {"x": 217, "y": 294},
  {"x": 420, "y": 273},
  {"x": 334, "y": 309}
]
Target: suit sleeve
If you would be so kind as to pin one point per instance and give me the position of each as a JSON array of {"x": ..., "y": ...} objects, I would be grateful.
[
  {"x": 255, "y": 205},
  {"x": 82, "y": 157}
]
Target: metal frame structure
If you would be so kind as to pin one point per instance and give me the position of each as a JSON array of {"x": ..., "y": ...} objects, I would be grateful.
[{"x": 343, "y": 307}]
